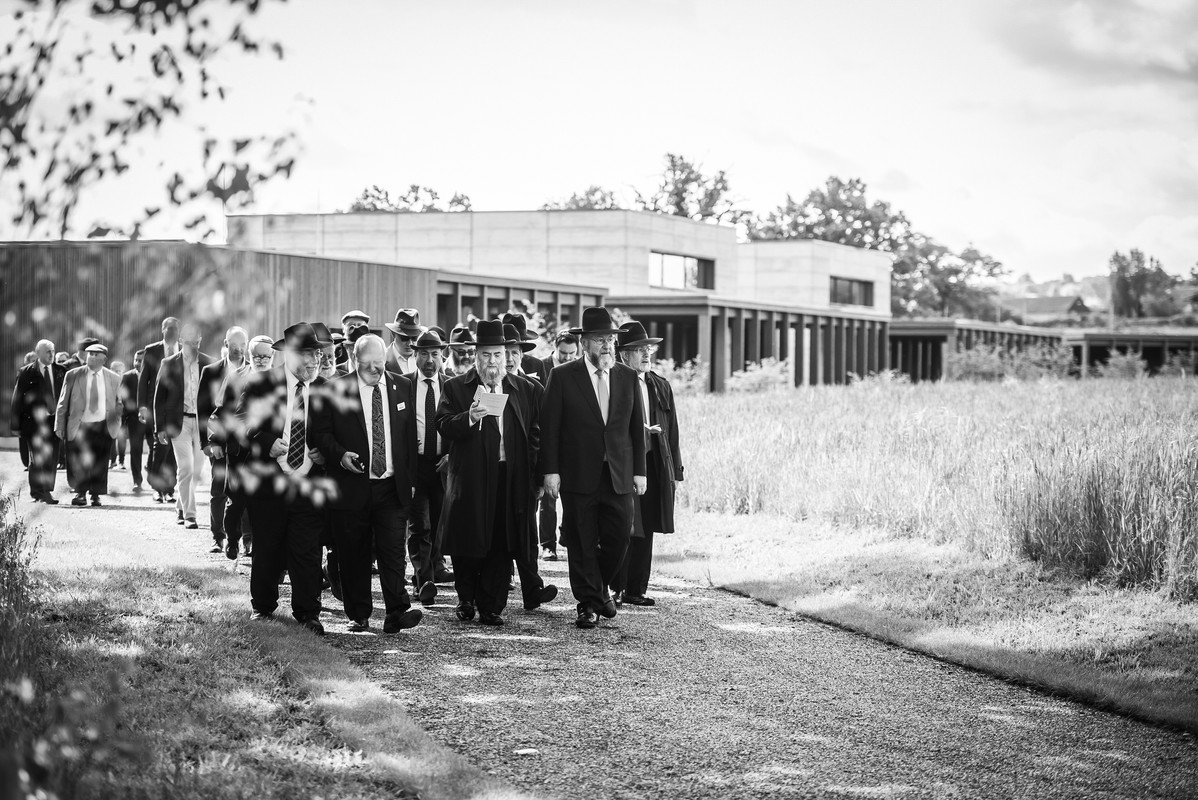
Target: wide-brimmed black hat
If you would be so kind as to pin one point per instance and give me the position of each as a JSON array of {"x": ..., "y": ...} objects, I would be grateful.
[
  {"x": 521, "y": 324},
  {"x": 461, "y": 337},
  {"x": 511, "y": 335},
  {"x": 596, "y": 321},
  {"x": 632, "y": 334},
  {"x": 429, "y": 340},
  {"x": 407, "y": 323},
  {"x": 489, "y": 333},
  {"x": 300, "y": 336},
  {"x": 323, "y": 334}
]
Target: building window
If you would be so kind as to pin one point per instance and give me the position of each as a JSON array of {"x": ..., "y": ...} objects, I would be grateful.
[
  {"x": 681, "y": 272},
  {"x": 848, "y": 292}
]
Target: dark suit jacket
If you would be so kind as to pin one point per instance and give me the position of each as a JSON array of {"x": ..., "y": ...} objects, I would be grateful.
[
  {"x": 33, "y": 402},
  {"x": 148, "y": 380},
  {"x": 168, "y": 395},
  {"x": 467, "y": 518},
  {"x": 547, "y": 361},
  {"x": 665, "y": 465},
  {"x": 574, "y": 439},
  {"x": 534, "y": 368},
  {"x": 258, "y": 420},
  {"x": 393, "y": 364},
  {"x": 414, "y": 378},
  {"x": 211, "y": 396},
  {"x": 129, "y": 397},
  {"x": 343, "y": 430}
]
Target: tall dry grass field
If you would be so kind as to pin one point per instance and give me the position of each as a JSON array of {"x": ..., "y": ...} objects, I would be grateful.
[{"x": 1098, "y": 477}]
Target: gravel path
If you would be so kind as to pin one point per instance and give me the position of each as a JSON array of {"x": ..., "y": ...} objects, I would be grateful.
[{"x": 714, "y": 695}]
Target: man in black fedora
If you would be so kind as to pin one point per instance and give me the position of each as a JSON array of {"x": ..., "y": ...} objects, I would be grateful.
[
  {"x": 492, "y": 458},
  {"x": 369, "y": 444},
  {"x": 461, "y": 351},
  {"x": 593, "y": 454},
  {"x": 424, "y": 544},
  {"x": 529, "y": 365},
  {"x": 277, "y": 423},
  {"x": 401, "y": 357},
  {"x": 654, "y": 511}
]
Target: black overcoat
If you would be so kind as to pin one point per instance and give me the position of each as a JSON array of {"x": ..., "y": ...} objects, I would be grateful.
[
  {"x": 664, "y": 462},
  {"x": 468, "y": 515}
]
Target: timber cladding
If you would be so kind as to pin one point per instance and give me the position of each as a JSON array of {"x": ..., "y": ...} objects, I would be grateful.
[{"x": 119, "y": 292}]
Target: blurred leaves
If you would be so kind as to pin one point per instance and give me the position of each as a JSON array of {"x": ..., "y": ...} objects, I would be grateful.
[
  {"x": 83, "y": 84},
  {"x": 415, "y": 200}
]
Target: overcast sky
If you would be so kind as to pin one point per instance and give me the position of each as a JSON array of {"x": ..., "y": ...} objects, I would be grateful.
[{"x": 1045, "y": 133}]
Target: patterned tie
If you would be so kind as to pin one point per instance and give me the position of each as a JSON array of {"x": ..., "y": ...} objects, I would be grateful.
[
  {"x": 603, "y": 395},
  {"x": 93, "y": 396},
  {"x": 295, "y": 444},
  {"x": 430, "y": 415},
  {"x": 378, "y": 435}
]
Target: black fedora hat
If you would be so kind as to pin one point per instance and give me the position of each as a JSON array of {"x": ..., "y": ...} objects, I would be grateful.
[
  {"x": 521, "y": 325},
  {"x": 511, "y": 335},
  {"x": 632, "y": 334},
  {"x": 407, "y": 323},
  {"x": 461, "y": 337},
  {"x": 300, "y": 336},
  {"x": 429, "y": 340},
  {"x": 323, "y": 335},
  {"x": 489, "y": 333},
  {"x": 597, "y": 321}
]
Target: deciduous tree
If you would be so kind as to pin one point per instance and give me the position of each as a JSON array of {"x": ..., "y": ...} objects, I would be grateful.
[{"x": 416, "y": 199}]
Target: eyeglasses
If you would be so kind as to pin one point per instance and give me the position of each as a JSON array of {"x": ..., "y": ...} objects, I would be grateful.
[
  {"x": 262, "y": 356},
  {"x": 609, "y": 339},
  {"x": 644, "y": 350}
]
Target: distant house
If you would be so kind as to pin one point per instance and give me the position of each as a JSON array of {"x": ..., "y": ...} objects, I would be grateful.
[{"x": 1043, "y": 310}]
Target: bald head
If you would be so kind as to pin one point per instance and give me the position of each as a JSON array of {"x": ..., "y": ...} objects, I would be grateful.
[
  {"x": 45, "y": 351},
  {"x": 370, "y": 354},
  {"x": 237, "y": 343},
  {"x": 369, "y": 344}
]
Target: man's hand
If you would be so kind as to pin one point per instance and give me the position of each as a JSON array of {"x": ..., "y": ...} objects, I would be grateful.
[
  {"x": 349, "y": 462},
  {"x": 316, "y": 456},
  {"x": 164, "y": 439},
  {"x": 215, "y": 451},
  {"x": 553, "y": 485},
  {"x": 639, "y": 484},
  {"x": 143, "y": 415},
  {"x": 477, "y": 412},
  {"x": 277, "y": 449}
]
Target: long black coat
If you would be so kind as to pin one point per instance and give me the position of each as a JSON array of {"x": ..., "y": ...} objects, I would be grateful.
[
  {"x": 656, "y": 509},
  {"x": 33, "y": 402},
  {"x": 468, "y": 515},
  {"x": 344, "y": 431}
]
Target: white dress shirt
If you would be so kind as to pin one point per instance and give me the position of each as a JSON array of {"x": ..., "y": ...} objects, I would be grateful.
[
  {"x": 96, "y": 415},
  {"x": 421, "y": 394},
  {"x": 191, "y": 383},
  {"x": 498, "y": 420},
  {"x": 305, "y": 467},
  {"x": 406, "y": 365},
  {"x": 640, "y": 376},
  {"x": 367, "y": 395}
]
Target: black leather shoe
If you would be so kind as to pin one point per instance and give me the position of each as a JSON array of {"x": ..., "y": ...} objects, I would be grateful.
[
  {"x": 158, "y": 497},
  {"x": 190, "y": 524},
  {"x": 259, "y": 616},
  {"x": 444, "y": 576},
  {"x": 359, "y": 625},
  {"x": 49, "y": 499},
  {"x": 586, "y": 618},
  {"x": 231, "y": 550},
  {"x": 314, "y": 626},
  {"x": 400, "y": 620},
  {"x": 608, "y": 609},
  {"x": 465, "y": 611},
  {"x": 218, "y": 546},
  {"x": 487, "y": 618},
  {"x": 78, "y": 500},
  {"x": 546, "y": 594},
  {"x": 96, "y": 500},
  {"x": 639, "y": 600},
  {"x": 428, "y": 593}
]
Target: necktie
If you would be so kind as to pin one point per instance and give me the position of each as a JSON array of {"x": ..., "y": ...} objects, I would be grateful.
[
  {"x": 603, "y": 395},
  {"x": 295, "y": 443},
  {"x": 93, "y": 394},
  {"x": 378, "y": 435},
  {"x": 51, "y": 399},
  {"x": 430, "y": 414}
]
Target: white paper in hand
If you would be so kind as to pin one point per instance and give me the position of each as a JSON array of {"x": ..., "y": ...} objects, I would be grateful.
[{"x": 492, "y": 403}]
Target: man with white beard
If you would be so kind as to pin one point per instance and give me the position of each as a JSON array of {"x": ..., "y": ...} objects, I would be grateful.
[{"x": 593, "y": 454}]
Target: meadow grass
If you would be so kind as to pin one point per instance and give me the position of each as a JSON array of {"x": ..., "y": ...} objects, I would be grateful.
[{"x": 1095, "y": 477}]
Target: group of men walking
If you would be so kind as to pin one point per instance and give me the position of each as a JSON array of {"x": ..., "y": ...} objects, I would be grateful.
[{"x": 430, "y": 446}]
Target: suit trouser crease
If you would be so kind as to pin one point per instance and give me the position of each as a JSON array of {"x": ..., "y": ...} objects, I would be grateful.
[
  {"x": 424, "y": 545},
  {"x": 362, "y": 535},
  {"x": 286, "y": 536},
  {"x": 601, "y": 523},
  {"x": 44, "y": 454},
  {"x": 483, "y": 580},
  {"x": 87, "y": 459},
  {"x": 189, "y": 459}
]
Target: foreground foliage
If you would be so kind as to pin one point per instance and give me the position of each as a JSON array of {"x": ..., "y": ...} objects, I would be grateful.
[{"x": 1094, "y": 477}]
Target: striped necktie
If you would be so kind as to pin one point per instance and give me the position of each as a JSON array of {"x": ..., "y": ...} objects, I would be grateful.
[{"x": 295, "y": 442}]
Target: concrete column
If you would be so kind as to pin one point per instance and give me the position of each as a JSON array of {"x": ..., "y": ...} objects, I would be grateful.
[
  {"x": 670, "y": 345},
  {"x": 457, "y": 308},
  {"x": 944, "y": 365},
  {"x": 784, "y": 321},
  {"x": 863, "y": 349},
  {"x": 817, "y": 352},
  {"x": 653, "y": 329},
  {"x": 871, "y": 346},
  {"x": 719, "y": 350},
  {"x": 1085, "y": 365},
  {"x": 883, "y": 346},
  {"x": 799, "y": 355},
  {"x": 753, "y": 336},
  {"x": 838, "y": 351},
  {"x": 737, "y": 360}
]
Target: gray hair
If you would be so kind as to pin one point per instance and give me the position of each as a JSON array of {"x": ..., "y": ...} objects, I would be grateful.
[
  {"x": 262, "y": 339},
  {"x": 236, "y": 329}
]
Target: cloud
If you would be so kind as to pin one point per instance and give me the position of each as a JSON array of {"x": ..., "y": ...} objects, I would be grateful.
[{"x": 1105, "y": 41}]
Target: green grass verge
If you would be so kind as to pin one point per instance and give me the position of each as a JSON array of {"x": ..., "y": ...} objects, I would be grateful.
[
  {"x": 1125, "y": 650},
  {"x": 146, "y": 679}
]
